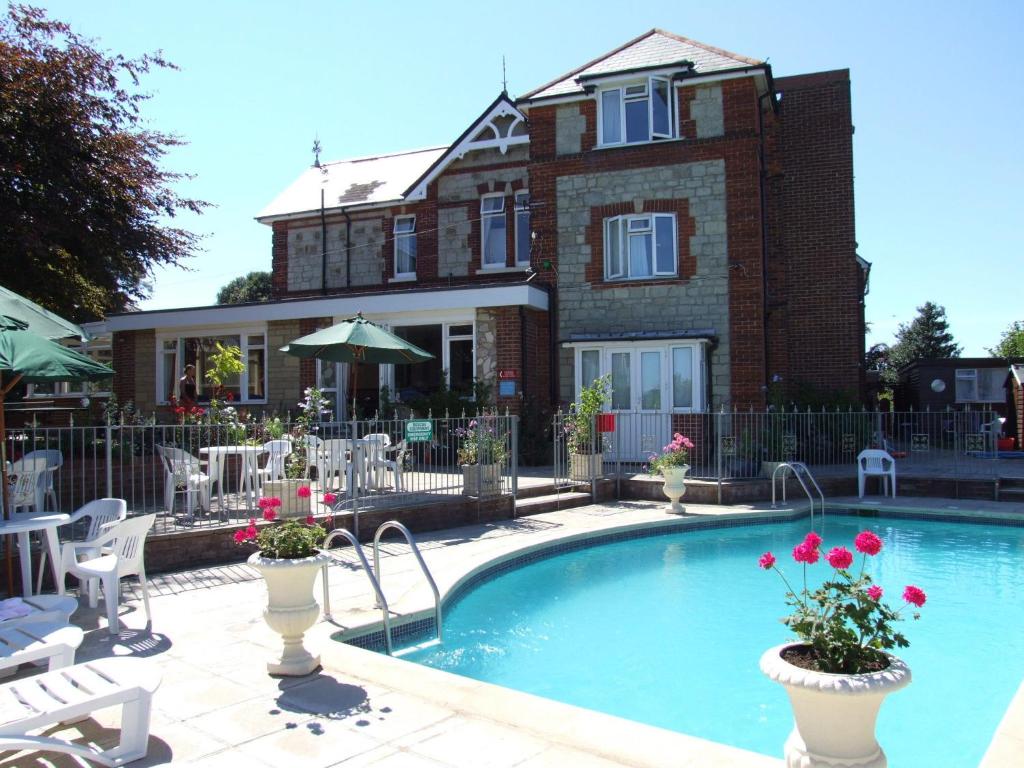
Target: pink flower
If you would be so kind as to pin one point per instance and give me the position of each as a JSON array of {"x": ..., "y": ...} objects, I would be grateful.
[
  {"x": 310, "y": 520},
  {"x": 767, "y": 561},
  {"x": 330, "y": 498},
  {"x": 240, "y": 537},
  {"x": 303, "y": 492},
  {"x": 868, "y": 543},
  {"x": 269, "y": 514},
  {"x": 812, "y": 540},
  {"x": 914, "y": 596},
  {"x": 875, "y": 592},
  {"x": 805, "y": 553},
  {"x": 264, "y": 503},
  {"x": 839, "y": 558}
]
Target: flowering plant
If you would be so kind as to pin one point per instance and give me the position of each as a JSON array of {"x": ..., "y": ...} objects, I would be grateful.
[
  {"x": 291, "y": 539},
  {"x": 481, "y": 443},
  {"x": 578, "y": 424},
  {"x": 675, "y": 454},
  {"x": 844, "y": 622}
]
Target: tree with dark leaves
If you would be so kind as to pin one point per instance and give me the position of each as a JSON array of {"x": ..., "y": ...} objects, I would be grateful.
[
  {"x": 252, "y": 287},
  {"x": 926, "y": 337},
  {"x": 84, "y": 200}
]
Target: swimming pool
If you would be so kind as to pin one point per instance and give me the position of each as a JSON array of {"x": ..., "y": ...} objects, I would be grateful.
[{"x": 668, "y": 630}]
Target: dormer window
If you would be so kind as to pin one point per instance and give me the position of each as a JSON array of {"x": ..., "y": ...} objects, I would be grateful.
[{"x": 636, "y": 112}]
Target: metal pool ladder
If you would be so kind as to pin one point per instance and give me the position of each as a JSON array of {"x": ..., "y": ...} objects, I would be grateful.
[
  {"x": 373, "y": 574},
  {"x": 800, "y": 471}
]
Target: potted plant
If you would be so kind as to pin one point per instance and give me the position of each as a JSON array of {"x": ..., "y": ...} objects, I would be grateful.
[
  {"x": 586, "y": 459},
  {"x": 291, "y": 497},
  {"x": 288, "y": 559},
  {"x": 840, "y": 671},
  {"x": 671, "y": 465},
  {"x": 482, "y": 452}
]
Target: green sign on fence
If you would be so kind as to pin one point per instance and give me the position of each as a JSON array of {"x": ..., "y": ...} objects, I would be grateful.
[{"x": 418, "y": 430}]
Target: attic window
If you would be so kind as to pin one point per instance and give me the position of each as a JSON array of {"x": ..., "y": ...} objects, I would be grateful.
[{"x": 636, "y": 112}]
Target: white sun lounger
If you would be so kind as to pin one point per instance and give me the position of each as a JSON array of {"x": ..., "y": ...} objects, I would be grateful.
[
  {"x": 39, "y": 640},
  {"x": 48, "y": 608},
  {"x": 73, "y": 693}
]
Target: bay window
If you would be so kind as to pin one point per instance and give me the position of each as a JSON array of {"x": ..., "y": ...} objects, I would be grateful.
[
  {"x": 638, "y": 247},
  {"x": 636, "y": 112}
]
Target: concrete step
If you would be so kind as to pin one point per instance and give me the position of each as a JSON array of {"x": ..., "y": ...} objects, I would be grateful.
[
  {"x": 533, "y": 491},
  {"x": 552, "y": 502}
]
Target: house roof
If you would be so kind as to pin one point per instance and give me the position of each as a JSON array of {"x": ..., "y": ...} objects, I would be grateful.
[
  {"x": 1018, "y": 373},
  {"x": 359, "y": 181},
  {"x": 652, "y": 49}
]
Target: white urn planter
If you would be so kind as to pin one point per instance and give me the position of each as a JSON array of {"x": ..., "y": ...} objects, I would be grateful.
[
  {"x": 481, "y": 479},
  {"x": 585, "y": 466},
  {"x": 675, "y": 487},
  {"x": 291, "y": 608},
  {"x": 292, "y": 505},
  {"x": 834, "y": 715}
]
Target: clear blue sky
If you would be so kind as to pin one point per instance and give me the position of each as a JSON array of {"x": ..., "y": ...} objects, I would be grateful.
[{"x": 937, "y": 105}]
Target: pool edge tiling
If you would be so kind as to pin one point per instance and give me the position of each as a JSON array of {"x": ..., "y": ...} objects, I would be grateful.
[{"x": 579, "y": 528}]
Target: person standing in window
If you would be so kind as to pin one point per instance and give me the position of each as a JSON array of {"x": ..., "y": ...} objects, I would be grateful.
[{"x": 187, "y": 386}]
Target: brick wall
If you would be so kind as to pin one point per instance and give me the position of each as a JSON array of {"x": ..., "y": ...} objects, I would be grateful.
[
  {"x": 123, "y": 363},
  {"x": 816, "y": 311}
]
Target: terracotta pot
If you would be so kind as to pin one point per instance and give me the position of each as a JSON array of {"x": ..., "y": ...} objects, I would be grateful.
[
  {"x": 674, "y": 486},
  {"x": 291, "y": 608},
  {"x": 833, "y": 715},
  {"x": 481, "y": 479},
  {"x": 585, "y": 466}
]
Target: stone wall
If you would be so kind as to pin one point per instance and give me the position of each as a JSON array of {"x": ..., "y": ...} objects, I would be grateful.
[
  {"x": 367, "y": 252},
  {"x": 487, "y": 347},
  {"x": 454, "y": 251},
  {"x": 569, "y": 127},
  {"x": 706, "y": 111},
  {"x": 283, "y": 378},
  {"x": 673, "y": 305}
]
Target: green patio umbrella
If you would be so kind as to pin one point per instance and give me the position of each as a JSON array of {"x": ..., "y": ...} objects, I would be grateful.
[
  {"x": 355, "y": 341},
  {"x": 26, "y": 356},
  {"x": 38, "y": 320}
]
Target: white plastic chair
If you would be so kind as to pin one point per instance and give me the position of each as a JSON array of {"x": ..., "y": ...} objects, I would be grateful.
[
  {"x": 102, "y": 513},
  {"x": 26, "y": 493},
  {"x": 377, "y": 461},
  {"x": 54, "y": 461},
  {"x": 277, "y": 451},
  {"x": 873, "y": 462},
  {"x": 313, "y": 445},
  {"x": 332, "y": 459},
  {"x": 183, "y": 473},
  {"x": 122, "y": 553}
]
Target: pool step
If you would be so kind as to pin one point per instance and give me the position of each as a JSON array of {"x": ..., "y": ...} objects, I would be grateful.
[
  {"x": 399, "y": 652},
  {"x": 551, "y": 502},
  {"x": 1010, "y": 489}
]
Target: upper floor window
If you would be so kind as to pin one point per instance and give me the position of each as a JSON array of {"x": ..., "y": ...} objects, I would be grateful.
[
  {"x": 637, "y": 247},
  {"x": 634, "y": 113},
  {"x": 405, "y": 246},
  {"x": 980, "y": 385},
  {"x": 523, "y": 241},
  {"x": 492, "y": 231}
]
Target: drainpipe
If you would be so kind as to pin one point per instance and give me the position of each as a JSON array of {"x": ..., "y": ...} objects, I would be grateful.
[
  {"x": 762, "y": 179},
  {"x": 323, "y": 243},
  {"x": 522, "y": 352},
  {"x": 348, "y": 248}
]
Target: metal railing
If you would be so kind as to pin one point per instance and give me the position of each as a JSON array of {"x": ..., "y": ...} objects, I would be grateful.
[{"x": 201, "y": 474}]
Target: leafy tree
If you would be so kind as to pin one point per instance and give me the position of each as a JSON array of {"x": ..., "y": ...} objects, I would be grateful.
[
  {"x": 926, "y": 337},
  {"x": 1011, "y": 344},
  {"x": 252, "y": 287},
  {"x": 83, "y": 198}
]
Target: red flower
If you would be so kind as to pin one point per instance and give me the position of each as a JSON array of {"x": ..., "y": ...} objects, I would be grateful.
[
  {"x": 310, "y": 520},
  {"x": 767, "y": 561},
  {"x": 303, "y": 492},
  {"x": 269, "y": 514},
  {"x": 804, "y": 553},
  {"x": 868, "y": 543},
  {"x": 839, "y": 558},
  {"x": 875, "y": 592},
  {"x": 812, "y": 540},
  {"x": 330, "y": 498},
  {"x": 914, "y": 596},
  {"x": 230, "y": 396},
  {"x": 180, "y": 410},
  {"x": 240, "y": 537}
]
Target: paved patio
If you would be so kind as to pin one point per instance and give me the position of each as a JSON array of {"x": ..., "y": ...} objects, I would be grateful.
[{"x": 217, "y": 706}]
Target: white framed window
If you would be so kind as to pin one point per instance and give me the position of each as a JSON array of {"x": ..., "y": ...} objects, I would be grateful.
[
  {"x": 492, "y": 231},
  {"x": 100, "y": 350},
  {"x": 639, "y": 247},
  {"x": 405, "y": 246},
  {"x": 980, "y": 385},
  {"x": 174, "y": 352},
  {"x": 636, "y": 112},
  {"x": 523, "y": 239}
]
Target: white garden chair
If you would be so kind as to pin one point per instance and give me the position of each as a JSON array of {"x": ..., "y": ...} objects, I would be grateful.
[
  {"x": 874, "y": 462},
  {"x": 122, "y": 553},
  {"x": 183, "y": 473},
  {"x": 101, "y": 513},
  {"x": 377, "y": 458},
  {"x": 313, "y": 446},
  {"x": 26, "y": 492},
  {"x": 277, "y": 452},
  {"x": 332, "y": 458},
  {"x": 73, "y": 693},
  {"x": 54, "y": 461}
]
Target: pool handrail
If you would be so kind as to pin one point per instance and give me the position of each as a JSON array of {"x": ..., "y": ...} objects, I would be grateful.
[
  {"x": 382, "y": 603},
  {"x": 799, "y": 470},
  {"x": 419, "y": 559}
]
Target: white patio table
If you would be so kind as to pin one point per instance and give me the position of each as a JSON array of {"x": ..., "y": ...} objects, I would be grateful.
[
  {"x": 21, "y": 526},
  {"x": 216, "y": 454}
]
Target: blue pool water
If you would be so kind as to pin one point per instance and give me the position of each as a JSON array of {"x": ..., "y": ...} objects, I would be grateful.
[{"x": 668, "y": 630}]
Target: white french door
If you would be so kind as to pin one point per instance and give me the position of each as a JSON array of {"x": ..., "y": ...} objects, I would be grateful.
[{"x": 638, "y": 389}]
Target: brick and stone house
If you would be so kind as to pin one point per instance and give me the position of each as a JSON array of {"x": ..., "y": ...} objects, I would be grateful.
[{"x": 669, "y": 213}]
